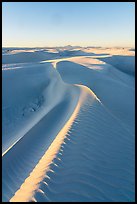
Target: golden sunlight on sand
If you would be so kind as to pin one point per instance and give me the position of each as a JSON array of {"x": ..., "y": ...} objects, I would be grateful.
[{"x": 31, "y": 184}]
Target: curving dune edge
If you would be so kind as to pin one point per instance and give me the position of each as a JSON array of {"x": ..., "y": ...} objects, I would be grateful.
[{"x": 68, "y": 128}]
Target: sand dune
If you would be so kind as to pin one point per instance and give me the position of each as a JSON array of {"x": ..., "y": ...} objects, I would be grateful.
[
  {"x": 107, "y": 83},
  {"x": 123, "y": 63},
  {"x": 68, "y": 125}
]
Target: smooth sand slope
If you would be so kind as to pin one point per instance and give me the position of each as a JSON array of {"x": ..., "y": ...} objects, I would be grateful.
[{"x": 68, "y": 126}]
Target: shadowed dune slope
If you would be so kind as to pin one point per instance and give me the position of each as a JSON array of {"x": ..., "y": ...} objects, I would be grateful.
[
  {"x": 68, "y": 126},
  {"x": 125, "y": 64},
  {"x": 109, "y": 84}
]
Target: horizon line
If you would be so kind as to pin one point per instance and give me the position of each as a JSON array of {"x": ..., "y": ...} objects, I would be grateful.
[{"x": 90, "y": 46}]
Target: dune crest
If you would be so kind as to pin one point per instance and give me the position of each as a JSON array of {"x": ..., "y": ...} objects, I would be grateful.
[{"x": 68, "y": 128}]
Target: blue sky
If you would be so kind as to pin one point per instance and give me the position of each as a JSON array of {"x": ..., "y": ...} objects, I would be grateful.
[{"x": 30, "y": 24}]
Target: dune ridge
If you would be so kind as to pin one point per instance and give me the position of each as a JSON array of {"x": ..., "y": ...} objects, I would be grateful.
[
  {"x": 68, "y": 130},
  {"x": 38, "y": 173},
  {"x": 60, "y": 180}
]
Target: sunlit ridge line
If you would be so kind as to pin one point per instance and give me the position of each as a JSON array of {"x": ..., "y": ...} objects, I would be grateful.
[{"x": 31, "y": 183}]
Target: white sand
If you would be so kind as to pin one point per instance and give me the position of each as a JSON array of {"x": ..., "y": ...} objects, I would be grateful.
[{"x": 68, "y": 125}]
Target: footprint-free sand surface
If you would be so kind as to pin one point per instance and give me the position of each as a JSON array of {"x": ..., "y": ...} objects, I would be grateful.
[{"x": 68, "y": 121}]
